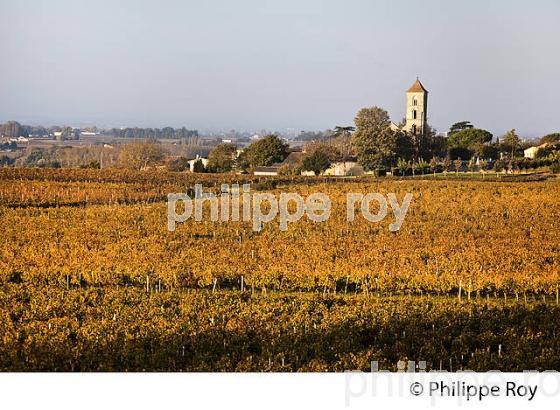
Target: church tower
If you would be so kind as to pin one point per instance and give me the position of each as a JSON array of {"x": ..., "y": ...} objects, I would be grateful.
[{"x": 416, "y": 108}]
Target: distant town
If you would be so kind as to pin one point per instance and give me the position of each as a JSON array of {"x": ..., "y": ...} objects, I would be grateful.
[{"x": 372, "y": 145}]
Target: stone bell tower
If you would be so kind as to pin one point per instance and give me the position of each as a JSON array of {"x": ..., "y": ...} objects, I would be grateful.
[{"x": 416, "y": 108}]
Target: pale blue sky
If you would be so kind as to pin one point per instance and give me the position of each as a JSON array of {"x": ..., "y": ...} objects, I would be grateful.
[{"x": 303, "y": 64}]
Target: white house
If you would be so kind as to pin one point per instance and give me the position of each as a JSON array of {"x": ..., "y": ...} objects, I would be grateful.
[
  {"x": 344, "y": 168},
  {"x": 531, "y": 152}
]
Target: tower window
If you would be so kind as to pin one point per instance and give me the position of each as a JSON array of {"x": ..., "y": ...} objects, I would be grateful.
[
  {"x": 413, "y": 114},
  {"x": 414, "y": 101}
]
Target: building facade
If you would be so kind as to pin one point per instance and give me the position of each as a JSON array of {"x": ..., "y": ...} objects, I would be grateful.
[{"x": 416, "y": 108}]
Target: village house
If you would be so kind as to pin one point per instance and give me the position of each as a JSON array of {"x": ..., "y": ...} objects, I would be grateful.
[{"x": 532, "y": 152}]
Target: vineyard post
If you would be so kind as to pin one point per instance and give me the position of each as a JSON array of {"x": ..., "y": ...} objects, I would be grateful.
[
  {"x": 556, "y": 294},
  {"x": 159, "y": 285},
  {"x": 460, "y": 288},
  {"x": 346, "y": 286},
  {"x": 470, "y": 288},
  {"x": 214, "y": 285},
  {"x": 67, "y": 282},
  {"x": 147, "y": 284},
  {"x": 241, "y": 283}
]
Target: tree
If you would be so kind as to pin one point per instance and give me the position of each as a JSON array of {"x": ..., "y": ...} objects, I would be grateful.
[
  {"x": 548, "y": 150},
  {"x": 265, "y": 151},
  {"x": 178, "y": 165},
  {"x": 422, "y": 165},
  {"x": 437, "y": 146},
  {"x": 483, "y": 164},
  {"x": 222, "y": 158},
  {"x": 422, "y": 144},
  {"x": 341, "y": 139},
  {"x": 12, "y": 129},
  {"x": 459, "y": 152},
  {"x": 405, "y": 147},
  {"x": 198, "y": 166},
  {"x": 511, "y": 143},
  {"x": 499, "y": 166},
  {"x": 329, "y": 150},
  {"x": 459, "y": 126},
  {"x": 457, "y": 164},
  {"x": 374, "y": 142},
  {"x": 402, "y": 166},
  {"x": 318, "y": 162},
  {"x": 469, "y": 138},
  {"x": 139, "y": 155},
  {"x": 551, "y": 138},
  {"x": 434, "y": 165},
  {"x": 486, "y": 151},
  {"x": 446, "y": 164}
]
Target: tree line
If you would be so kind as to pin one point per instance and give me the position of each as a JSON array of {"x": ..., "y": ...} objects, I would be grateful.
[
  {"x": 153, "y": 133},
  {"x": 13, "y": 129}
]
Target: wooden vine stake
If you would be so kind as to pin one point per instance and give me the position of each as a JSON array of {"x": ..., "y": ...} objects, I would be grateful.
[{"x": 460, "y": 288}]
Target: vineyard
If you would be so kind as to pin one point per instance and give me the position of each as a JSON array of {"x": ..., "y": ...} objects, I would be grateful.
[{"x": 91, "y": 279}]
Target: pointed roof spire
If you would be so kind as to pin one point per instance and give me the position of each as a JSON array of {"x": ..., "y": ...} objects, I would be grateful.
[{"x": 417, "y": 87}]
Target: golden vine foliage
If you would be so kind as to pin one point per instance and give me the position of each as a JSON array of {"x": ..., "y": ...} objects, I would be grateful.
[
  {"x": 91, "y": 279},
  {"x": 480, "y": 236}
]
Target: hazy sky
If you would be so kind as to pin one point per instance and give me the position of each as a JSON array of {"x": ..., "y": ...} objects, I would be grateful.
[{"x": 302, "y": 64}]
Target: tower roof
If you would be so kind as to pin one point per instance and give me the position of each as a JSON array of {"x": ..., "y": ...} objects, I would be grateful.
[{"x": 417, "y": 87}]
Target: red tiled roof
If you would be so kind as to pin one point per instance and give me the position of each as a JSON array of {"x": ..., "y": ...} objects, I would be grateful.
[{"x": 417, "y": 87}]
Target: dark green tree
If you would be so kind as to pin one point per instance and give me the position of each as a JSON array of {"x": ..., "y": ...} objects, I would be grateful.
[
  {"x": 265, "y": 151},
  {"x": 374, "y": 143},
  {"x": 511, "y": 144},
  {"x": 198, "y": 166},
  {"x": 459, "y": 126},
  {"x": 317, "y": 161},
  {"x": 551, "y": 138},
  {"x": 469, "y": 138},
  {"x": 222, "y": 158}
]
